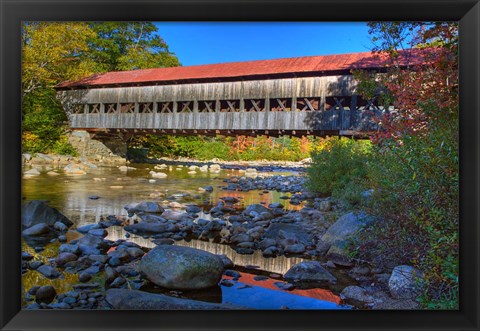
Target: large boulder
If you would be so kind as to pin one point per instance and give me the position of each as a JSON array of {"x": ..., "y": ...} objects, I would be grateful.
[
  {"x": 309, "y": 273},
  {"x": 406, "y": 282},
  {"x": 345, "y": 227},
  {"x": 182, "y": 268},
  {"x": 35, "y": 212},
  {"x": 133, "y": 299}
]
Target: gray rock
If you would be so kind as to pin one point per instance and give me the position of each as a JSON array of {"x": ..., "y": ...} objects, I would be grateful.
[
  {"x": 309, "y": 272},
  {"x": 154, "y": 218},
  {"x": 69, "y": 248},
  {"x": 99, "y": 258},
  {"x": 84, "y": 277},
  {"x": 133, "y": 299},
  {"x": 246, "y": 244},
  {"x": 256, "y": 209},
  {"x": 35, "y": 264},
  {"x": 193, "y": 209},
  {"x": 98, "y": 232},
  {"x": 145, "y": 207},
  {"x": 232, "y": 273},
  {"x": 59, "y": 226},
  {"x": 118, "y": 282},
  {"x": 267, "y": 242},
  {"x": 177, "y": 267},
  {"x": 227, "y": 283},
  {"x": 174, "y": 215},
  {"x": 93, "y": 270},
  {"x": 346, "y": 226},
  {"x": 110, "y": 274},
  {"x": 241, "y": 237},
  {"x": 275, "y": 205},
  {"x": 289, "y": 231},
  {"x": 92, "y": 245},
  {"x": 84, "y": 229},
  {"x": 213, "y": 225},
  {"x": 284, "y": 286},
  {"x": 45, "y": 294},
  {"x": 295, "y": 249},
  {"x": 135, "y": 252},
  {"x": 35, "y": 212},
  {"x": 163, "y": 241},
  {"x": 270, "y": 251},
  {"x": 356, "y": 293},
  {"x": 40, "y": 229},
  {"x": 151, "y": 228},
  {"x": 65, "y": 257},
  {"x": 48, "y": 271},
  {"x": 337, "y": 253},
  {"x": 405, "y": 282}
]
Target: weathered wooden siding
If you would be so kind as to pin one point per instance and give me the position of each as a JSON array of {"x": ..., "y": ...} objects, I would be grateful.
[
  {"x": 306, "y": 121},
  {"x": 303, "y": 104},
  {"x": 254, "y": 89}
]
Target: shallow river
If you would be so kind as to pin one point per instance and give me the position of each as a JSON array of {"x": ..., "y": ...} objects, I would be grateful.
[{"x": 70, "y": 195}]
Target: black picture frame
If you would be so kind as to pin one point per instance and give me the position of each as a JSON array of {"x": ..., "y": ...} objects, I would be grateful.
[{"x": 467, "y": 12}]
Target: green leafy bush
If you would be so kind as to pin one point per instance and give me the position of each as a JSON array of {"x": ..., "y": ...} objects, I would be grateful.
[
  {"x": 417, "y": 191},
  {"x": 340, "y": 168}
]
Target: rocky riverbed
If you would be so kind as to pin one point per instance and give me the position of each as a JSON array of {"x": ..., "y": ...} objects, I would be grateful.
[{"x": 68, "y": 265}]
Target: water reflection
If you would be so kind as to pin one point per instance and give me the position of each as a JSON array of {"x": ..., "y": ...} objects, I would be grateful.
[
  {"x": 279, "y": 265},
  {"x": 70, "y": 194}
]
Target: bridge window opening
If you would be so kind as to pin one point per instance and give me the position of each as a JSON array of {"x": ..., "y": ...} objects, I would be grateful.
[
  {"x": 165, "y": 107},
  {"x": 308, "y": 104},
  {"x": 146, "y": 108},
  {"x": 229, "y": 106},
  {"x": 338, "y": 103},
  {"x": 365, "y": 104},
  {"x": 206, "y": 106},
  {"x": 93, "y": 108},
  {"x": 110, "y": 108},
  {"x": 252, "y": 105},
  {"x": 78, "y": 108},
  {"x": 280, "y": 104},
  {"x": 185, "y": 107},
  {"x": 127, "y": 108}
]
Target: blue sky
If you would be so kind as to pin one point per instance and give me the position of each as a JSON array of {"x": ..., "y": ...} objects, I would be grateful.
[{"x": 216, "y": 42}]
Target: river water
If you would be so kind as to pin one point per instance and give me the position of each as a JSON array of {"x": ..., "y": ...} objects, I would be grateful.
[{"x": 71, "y": 195}]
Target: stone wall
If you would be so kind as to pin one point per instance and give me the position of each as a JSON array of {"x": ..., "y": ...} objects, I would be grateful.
[{"x": 109, "y": 149}]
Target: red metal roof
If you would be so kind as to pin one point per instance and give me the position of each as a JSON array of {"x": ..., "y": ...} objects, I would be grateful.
[{"x": 298, "y": 65}]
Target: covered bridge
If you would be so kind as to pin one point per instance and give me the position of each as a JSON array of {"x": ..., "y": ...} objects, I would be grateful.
[{"x": 312, "y": 95}]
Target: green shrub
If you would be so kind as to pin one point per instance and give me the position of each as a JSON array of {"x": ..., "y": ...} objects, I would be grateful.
[
  {"x": 340, "y": 168},
  {"x": 416, "y": 191}
]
